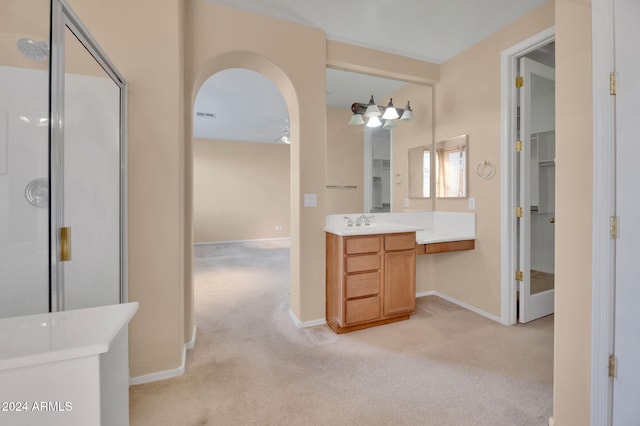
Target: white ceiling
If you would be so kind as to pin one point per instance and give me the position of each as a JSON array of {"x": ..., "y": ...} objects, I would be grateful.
[
  {"x": 432, "y": 30},
  {"x": 246, "y": 106}
]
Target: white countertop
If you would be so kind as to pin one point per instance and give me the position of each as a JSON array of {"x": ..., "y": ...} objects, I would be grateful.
[
  {"x": 432, "y": 237},
  {"x": 431, "y": 227},
  {"x": 44, "y": 338},
  {"x": 375, "y": 228}
]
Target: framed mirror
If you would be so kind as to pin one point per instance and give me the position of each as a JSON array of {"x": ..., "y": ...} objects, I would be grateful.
[
  {"x": 451, "y": 167},
  {"x": 420, "y": 172}
]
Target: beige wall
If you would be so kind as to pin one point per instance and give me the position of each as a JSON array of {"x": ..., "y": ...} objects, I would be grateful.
[
  {"x": 150, "y": 57},
  {"x": 345, "y": 159},
  {"x": 22, "y": 19},
  {"x": 467, "y": 101},
  {"x": 240, "y": 190},
  {"x": 368, "y": 61},
  {"x": 574, "y": 174}
]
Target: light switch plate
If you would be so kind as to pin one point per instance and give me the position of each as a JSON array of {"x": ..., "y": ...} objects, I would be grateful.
[
  {"x": 406, "y": 202},
  {"x": 472, "y": 203},
  {"x": 311, "y": 200}
]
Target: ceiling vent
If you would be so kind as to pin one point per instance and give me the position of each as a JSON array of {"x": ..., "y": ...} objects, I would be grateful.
[{"x": 208, "y": 115}]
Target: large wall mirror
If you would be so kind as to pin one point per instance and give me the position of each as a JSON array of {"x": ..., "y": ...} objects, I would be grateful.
[
  {"x": 420, "y": 172},
  {"x": 451, "y": 167},
  {"x": 367, "y": 167}
]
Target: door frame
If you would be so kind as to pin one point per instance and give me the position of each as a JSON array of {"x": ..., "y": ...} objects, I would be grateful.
[
  {"x": 508, "y": 196},
  {"x": 62, "y": 16},
  {"x": 603, "y": 246}
]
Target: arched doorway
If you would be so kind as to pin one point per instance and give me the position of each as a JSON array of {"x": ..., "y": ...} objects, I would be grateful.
[{"x": 261, "y": 65}]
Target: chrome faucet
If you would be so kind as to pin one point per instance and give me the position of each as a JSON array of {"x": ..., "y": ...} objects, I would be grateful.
[
  {"x": 349, "y": 221},
  {"x": 367, "y": 220},
  {"x": 363, "y": 220}
]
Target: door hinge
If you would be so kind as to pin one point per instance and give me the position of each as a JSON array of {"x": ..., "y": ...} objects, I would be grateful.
[
  {"x": 613, "y": 227},
  {"x": 519, "y": 276},
  {"x": 519, "y": 146},
  {"x": 611, "y": 367},
  {"x": 519, "y": 82},
  {"x": 613, "y": 86},
  {"x": 519, "y": 212}
]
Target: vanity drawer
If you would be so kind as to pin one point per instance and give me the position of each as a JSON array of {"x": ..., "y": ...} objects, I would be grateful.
[
  {"x": 356, "y": 245},
  {"x": 366, "y": 262},
  {"x": 400, "y": 241},
  {"x": 360, "y": 310},
  {"x": 359, "y": 285}
]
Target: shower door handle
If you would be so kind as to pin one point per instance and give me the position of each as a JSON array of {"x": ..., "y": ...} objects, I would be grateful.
[{"x": 65, "y": 244}]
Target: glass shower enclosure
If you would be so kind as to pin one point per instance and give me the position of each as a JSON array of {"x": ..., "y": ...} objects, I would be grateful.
[{"x": 62, "y": 163}]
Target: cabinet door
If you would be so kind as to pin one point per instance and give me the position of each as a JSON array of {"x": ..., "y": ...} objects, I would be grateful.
[{"x": 399, "y": 283}]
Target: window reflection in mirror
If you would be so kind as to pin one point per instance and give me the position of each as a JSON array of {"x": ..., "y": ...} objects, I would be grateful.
[
  {"x": 420, "y": 172},
  {"x": 451, "y": 167}
]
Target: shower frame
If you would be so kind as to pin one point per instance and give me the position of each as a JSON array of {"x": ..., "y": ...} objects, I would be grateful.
[{"x": 63, "y": 17}]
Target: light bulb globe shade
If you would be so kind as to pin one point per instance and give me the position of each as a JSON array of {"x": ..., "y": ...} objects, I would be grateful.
[
  {"x": 390, "y": 113},
  {"x": 372, "y": 109},
  {"x": 356, "y": 120},
  {"x": 408, "y": 113},
  {"x": 389, "y": 124},
  {"x": 374, "y": 122}
]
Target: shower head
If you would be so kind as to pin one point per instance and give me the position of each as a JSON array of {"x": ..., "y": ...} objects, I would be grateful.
[{"x": 34, "y": 50}]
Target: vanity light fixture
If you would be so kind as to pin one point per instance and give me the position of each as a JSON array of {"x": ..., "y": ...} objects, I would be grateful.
[
  {"x": 389, "y": 124},
  {"x": 356, "y": 120},
  {"x": 372, "y": 109},
  {"x": 390, "y": 113},
  {"x": 408, "y": 113},
  {"x": 374, "y": 113},
  {"x": 374, "y": 122}
]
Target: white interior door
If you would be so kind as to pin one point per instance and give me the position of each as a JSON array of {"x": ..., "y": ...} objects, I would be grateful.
[
  {"x": 626, "y": 410},
  {"x": 536, "y": 190}
]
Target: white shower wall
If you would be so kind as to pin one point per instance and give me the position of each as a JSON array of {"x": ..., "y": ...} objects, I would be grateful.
[
  {"x": 92, "y": 191},
  {"x": 24, "y": 228}
]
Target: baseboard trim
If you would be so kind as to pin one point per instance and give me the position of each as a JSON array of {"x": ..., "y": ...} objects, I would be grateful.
[
  {"x": 167, "y": 374},
  {"x": 191, "y": 343},
  {"x": 305, "y": 324},
  {"x": 459, "y": 303},
  {"x": 242, "y": 241}
]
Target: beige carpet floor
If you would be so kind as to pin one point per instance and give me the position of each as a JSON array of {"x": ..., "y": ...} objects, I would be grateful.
[{"x": 252, "y": 366}]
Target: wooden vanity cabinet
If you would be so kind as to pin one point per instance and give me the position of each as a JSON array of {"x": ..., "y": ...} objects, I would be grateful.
[{"x": 371, "y": 280}]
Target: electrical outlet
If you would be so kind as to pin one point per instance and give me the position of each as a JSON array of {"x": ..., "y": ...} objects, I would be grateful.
[
  {"x": 406, "y": 202},
  {"x": 472, "y": 203},
  {"x": 278, "y": 227},
  {"x": 311, "y": 200}
]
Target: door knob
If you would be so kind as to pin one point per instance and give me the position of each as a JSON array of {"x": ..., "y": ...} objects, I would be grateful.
[{"x": 552, "y": 220}]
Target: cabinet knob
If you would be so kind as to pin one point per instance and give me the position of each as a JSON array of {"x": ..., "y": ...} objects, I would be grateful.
[{"x": 552, "y": 220}]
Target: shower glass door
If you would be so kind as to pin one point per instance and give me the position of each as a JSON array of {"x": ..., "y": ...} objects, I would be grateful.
[
  {"x": 24, "y": 157},
  {"x": 89, "y": 188}
]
